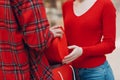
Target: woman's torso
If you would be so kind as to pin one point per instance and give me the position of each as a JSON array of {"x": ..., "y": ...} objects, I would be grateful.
[{"x": 84, "y": 30}]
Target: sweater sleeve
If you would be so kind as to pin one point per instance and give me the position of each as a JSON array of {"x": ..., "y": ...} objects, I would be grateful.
[
  {"x": 64, "y": 12},
  {"x": 107, "y": 44},
  {"x": 34, "y": 25}
]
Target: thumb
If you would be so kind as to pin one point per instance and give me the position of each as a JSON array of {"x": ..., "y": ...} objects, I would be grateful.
[{"x": 71, "y": 47}]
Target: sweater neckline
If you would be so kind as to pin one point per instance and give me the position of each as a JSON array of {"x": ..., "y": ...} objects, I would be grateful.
[{"x": 72, "y": 5}]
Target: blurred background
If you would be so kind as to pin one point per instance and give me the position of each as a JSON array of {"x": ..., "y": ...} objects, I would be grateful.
[
  {"x": 114, "y": 58},
  {"x": 54, "y": 11},
  {"x": 54, "y": 14}
]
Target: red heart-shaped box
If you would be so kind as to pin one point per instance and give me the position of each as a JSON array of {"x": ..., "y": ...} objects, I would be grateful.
[{"x": 57, "y": 50}]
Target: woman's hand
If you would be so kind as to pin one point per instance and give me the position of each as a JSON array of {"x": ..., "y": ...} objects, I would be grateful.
[
  {"x": 57, "y": 31},
  {"x": 77, "y": 52}
]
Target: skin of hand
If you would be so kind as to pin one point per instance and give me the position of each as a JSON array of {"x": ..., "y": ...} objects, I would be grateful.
[
  {"x": 76, "y": 52},
  {"x": 57, "y": 31}
]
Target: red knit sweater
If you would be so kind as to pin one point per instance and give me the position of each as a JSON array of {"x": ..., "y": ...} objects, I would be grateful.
[{"x": 94, "y": 31}]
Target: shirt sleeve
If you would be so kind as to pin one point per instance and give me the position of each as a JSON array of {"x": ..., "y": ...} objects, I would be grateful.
[
  {"x": 107, "y": 44},
  {"x": 64, "y": 10},
  {"x": 32, "y": 20}
]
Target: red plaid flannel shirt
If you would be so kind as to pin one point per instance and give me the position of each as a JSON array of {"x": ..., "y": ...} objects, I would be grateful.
[{"x": 23, "y": 22}]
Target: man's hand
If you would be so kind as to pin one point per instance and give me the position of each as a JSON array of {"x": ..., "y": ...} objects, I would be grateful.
[{"x": 77, "y": 52}]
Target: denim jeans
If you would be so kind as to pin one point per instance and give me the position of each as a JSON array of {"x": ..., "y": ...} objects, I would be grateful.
[{"x": 102, "y": 72}]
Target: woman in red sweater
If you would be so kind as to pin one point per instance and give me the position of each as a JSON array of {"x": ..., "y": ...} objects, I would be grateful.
[{"x": 90, "y": 27}]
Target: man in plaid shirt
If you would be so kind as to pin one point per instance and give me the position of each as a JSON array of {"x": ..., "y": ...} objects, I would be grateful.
[{"x": 24, "y": 35}]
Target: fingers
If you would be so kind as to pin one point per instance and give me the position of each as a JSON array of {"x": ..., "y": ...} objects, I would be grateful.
[
  {"x": 77, "y": 51},
  {"x": 71, "y": 47},
  {"x": 69, "y": 58},
  {"x": 57, "y": 31},
  {"x": 70, "y": 55},
  {"x": 67, "y": 61},
  {"x": 56, "y": 27}
]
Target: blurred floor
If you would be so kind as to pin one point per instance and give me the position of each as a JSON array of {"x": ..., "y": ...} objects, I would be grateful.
[{"x": 114, "y": 58}]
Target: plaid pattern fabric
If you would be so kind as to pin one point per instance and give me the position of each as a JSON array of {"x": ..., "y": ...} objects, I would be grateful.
[
  {"x": 23, "y": 21},
  {"x": 41, "y": 71}
]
